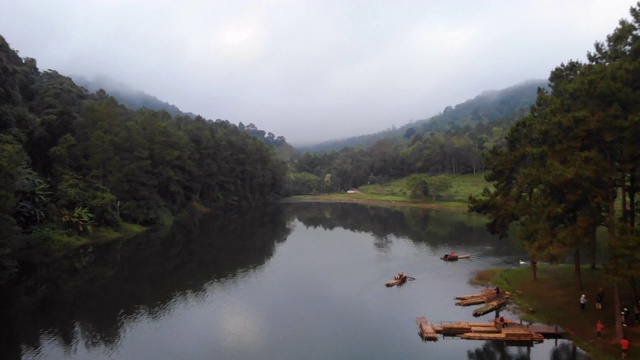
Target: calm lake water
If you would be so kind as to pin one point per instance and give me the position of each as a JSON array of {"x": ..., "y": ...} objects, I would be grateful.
[{"x": 300, "y": 281}]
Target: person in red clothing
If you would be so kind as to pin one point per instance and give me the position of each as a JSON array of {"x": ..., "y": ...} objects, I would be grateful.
[
  {"x": 624, "y": 345},
  {"x": 599, "y": 327}
]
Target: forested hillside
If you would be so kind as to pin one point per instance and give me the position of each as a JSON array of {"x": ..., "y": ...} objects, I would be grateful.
[
  {"x": 132, "y": 99},
  {"x": 487, "y": 107},
  {"x": 449, "y": 143},
  {"x": 71, "y": 160}
]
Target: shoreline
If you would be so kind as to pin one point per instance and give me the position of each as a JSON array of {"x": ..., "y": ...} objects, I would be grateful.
[
  {"x": 553, "y": 300},
  {"x": 373, "y": 202}
]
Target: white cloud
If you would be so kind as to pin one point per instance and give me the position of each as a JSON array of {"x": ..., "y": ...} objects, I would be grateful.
[{"x": 310, "y": 70}]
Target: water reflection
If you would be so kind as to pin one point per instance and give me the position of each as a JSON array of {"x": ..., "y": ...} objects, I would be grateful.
[
  {"x": 263, "y": 284},
  {"x": 94, "y": 292},
  {"x": 442, "y": 231}
]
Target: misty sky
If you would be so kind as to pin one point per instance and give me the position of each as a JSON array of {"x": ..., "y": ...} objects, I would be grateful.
[{"x": 310, "y": 70}]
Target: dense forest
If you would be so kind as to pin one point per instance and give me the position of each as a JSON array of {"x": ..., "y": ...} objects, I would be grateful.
[
  {"x": 75, "y": 159},
  {"x": 72, "y": 160}
]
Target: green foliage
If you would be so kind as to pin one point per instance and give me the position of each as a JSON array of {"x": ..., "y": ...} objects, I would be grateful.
[
  {"x": 302, "y": 183},
  {"x": 79, "y": 220},
  {"x": 439, "y": 185},
  {"x": 564, "y": 166},
  {"x": 418, "y": 186}
]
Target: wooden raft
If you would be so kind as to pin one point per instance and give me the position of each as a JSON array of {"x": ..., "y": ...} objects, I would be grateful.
[
  {"x": 490, "y": 306},
  {"x": 483, "y": 299},
  {"x": 507, "y": 334},
  {"x": 461, "y": 327},
  {"x": 484, "y": 292},
  {"x": 399, "y": 279},
  {"x": 426, "y": 331},
  {"x": 396, "y": 282}
]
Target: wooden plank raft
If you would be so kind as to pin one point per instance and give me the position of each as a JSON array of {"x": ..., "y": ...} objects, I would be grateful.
[
  {"x": 481, "y": 293},
  {"x": 482, "y": 299},
  {"x": 399, "y": 279},
  {"x": 426, "y": 331},
  {"x": 490, "y": 306},
  {"x": 518, "y": 334},
  {"x": 461, "y": 327}
]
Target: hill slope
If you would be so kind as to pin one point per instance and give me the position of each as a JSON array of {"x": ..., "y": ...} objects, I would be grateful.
[{"x": 486, "y": 107}]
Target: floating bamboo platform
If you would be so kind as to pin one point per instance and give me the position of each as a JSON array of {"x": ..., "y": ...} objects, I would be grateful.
[
  {"x": 396, "y": 282},
  {"x": 506, "y": 334},
  {"x": 481, "y": 293},
  {"x": 482, "y": 331},
  {"x": 426, "y": 330},
  {"x": 482, "y": 299},
  {"x": 490, "y": 306},
  {"x": 461, "y": 327},
  {"x": 399, "y": 279}
]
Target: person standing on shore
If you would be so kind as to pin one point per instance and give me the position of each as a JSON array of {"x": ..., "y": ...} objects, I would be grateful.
[
  {"x": 583, "y": 302},
  {"x": 599, "y": 327},
  {"x": 599, "y": 299},
  {"x": 624, "y": 346}
]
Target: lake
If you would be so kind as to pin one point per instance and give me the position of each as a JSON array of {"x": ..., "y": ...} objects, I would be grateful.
[{"x": 297, "y": 281}]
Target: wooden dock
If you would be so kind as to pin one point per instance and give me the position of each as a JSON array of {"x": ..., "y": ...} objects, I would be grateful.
[{"x": 426, "y": 330}]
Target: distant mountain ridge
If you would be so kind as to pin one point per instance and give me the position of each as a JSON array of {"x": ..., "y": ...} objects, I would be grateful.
[
  {"x": 489, "y": 106},
  {"x": 126, "y": 95}
]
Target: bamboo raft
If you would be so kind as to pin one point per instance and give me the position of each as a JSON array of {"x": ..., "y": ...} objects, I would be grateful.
[
  {"x": 484, "y": 292},
  {"x": 426, "y": 330},
  {"x": 506, "y": 334},
  {"x": 462, "y": 327},
  {"x": 490, "y": 306},
  {"x": 478, "y": 331},
  {"x": 483, "y": 298},
  {"x": 399, "y": 279}
]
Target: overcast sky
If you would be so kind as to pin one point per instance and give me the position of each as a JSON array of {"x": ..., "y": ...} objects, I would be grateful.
[{"x": 310, "y": 70}]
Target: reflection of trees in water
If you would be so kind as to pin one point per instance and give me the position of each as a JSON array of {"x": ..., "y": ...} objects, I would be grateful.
[
  {"x": 439, "y": 229},
  {"x": 91, "y": 293},
  {"x": 497, "y": 350},
  {"x": 567, "y": 351}
]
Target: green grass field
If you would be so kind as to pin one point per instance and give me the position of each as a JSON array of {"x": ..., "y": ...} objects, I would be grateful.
[{"x": 397, "y": 192}]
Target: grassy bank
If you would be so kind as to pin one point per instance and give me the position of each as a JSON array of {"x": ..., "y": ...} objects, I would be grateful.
[
  {"x": 553, "y": 299},
  {"x": 396, "y": 193},
  {"x": 61, "y": 239}
]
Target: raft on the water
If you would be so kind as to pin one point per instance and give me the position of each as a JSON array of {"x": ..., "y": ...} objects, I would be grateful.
[
  {"x": 482, "y": 298},
  {"x": 399, "y": 279},
  {"x": 426, "y": 330},
  {"x": 491, "y": 306},
  {"x": 478, "y": 331},
  {"x": 454, "y": 257}
]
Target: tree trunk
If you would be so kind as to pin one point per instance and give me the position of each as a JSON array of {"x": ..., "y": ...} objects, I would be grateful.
[
  {"x": 594, "y": 248},
  {"x": 611, "y": 232},
  {"x": 577, "y": 271},
  {"x": 634, "y": 289},
  {"x": 617, "y": 310},
  {"x": 534, "y": 269}
]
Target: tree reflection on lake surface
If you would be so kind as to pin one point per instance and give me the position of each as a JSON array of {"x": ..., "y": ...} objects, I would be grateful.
[{"x": 296, "y": 281}]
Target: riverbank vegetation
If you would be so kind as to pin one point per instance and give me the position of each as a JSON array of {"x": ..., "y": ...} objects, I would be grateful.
[
  {"x": 571, "y": 165},
  {"x": 77, "y": 166},
  {"x": 553, "y": 300},
  {"x": 450, "y": 192}
]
